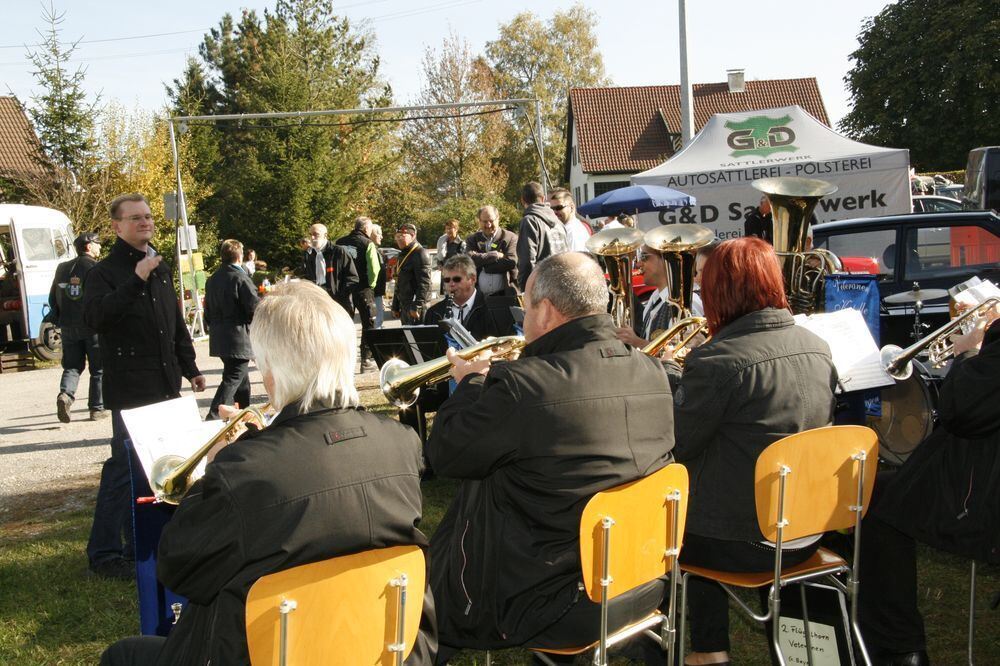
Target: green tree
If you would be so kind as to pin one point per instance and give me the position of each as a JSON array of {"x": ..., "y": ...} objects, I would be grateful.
[
  {"x": 543, "y": 59},
  {"x": 267, "y": 180},
  {"x": 926, "y": 77}
]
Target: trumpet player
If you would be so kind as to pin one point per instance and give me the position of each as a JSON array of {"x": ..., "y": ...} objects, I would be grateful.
[
  {"x": 532, "y": 440},
  {"x": 657, "y": 313},
  {"x": 325, "y": 478}
]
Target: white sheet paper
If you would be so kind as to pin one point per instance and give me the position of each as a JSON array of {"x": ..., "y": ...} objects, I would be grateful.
[
  {"x": 978, "y": 294},
  {"x": 855, "y": 354},
  {"x": 172, "y": 427}
]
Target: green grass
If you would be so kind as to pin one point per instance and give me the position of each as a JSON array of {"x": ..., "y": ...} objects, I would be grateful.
[{"x": 52, "y": 612}]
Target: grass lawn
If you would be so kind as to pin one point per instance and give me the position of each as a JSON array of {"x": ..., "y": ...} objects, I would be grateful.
[{"x": 51, "y": 612}]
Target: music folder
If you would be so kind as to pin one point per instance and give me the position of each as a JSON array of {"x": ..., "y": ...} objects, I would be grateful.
[
  {"x": 855, "y": 354},
  {"x": 412, "y": 344},
  {"x": 171, "y": 427}
]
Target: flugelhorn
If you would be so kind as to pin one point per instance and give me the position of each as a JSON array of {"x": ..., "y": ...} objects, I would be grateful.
[
  {"x": 679, "y": 245},
  {"x": 618, "y": 247},
  {"x": 792, "y": 202},
  {"x": 898, "y": 362},
  {"x": 401, "y": 382},
  {"x": 172, "y": 476}
]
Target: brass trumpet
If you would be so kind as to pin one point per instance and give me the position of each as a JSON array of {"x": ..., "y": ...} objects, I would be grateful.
[
  {"x": 793, "y": 200},
  {"x": 401, "y": 382},
  {"x": 172, "y": 476},
  {"x": 686, "y": 329},
  {"x": 618, "y": 247},
  {"x": 898, "y": 362}
]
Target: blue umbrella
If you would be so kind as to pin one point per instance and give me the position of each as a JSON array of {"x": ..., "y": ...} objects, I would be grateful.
[{"x": 635, "y": 199}]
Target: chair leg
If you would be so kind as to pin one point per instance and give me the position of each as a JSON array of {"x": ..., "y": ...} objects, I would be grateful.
[
  {"x": 805, "y": 625},
  {"x": 682, "y": 624},
  {"x": 972, "y": 610},
  {"x": 774, "y": 606},
  {"x": 669, "y": 634},
  {"x": 489, "y": 658}
]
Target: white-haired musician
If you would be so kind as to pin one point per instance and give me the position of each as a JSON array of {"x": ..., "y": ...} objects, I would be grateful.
[{"x": 324, "y": 478}]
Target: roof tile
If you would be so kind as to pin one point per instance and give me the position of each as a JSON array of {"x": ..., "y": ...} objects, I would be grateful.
[{"x": 18, "y": 142}]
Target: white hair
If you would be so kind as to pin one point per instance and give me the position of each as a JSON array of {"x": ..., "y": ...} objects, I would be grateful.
[{"x": 306, "y": 342}]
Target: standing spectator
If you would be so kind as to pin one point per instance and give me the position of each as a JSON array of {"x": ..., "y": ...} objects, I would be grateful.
[
  {"x": 448, "y": 245},
  {"x": 413, "y": 277},
  {"x": 79, "y": 342},
  {"x": 540, "y": 234},
  {"x": 250, "y": 265},
  {"x": 758, "y": 221},
  {"x": 330, "y": 267},
  {"x": 494, "y": 251},
  {"x": 577, "y": 231},
  {"x": 365, "y": 255},
  {"x": 379, "y": 291},
  {"x": 129, "y": 299},
  {"x": 230, "y": 299}
]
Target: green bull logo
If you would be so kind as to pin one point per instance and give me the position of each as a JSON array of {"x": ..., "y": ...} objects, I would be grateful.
[{"x": 761, "y": 136}]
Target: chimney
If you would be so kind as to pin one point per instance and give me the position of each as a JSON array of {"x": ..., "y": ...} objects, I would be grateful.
[{"x": 735, "y": 77}]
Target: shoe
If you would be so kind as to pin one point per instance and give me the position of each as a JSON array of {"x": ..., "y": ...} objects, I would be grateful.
[
  {"x": 369, "y": 365},
  {"x": 63, "y": 403},
  {"x": 98, "y": 414},
  {"x": 115, "y": 569}
]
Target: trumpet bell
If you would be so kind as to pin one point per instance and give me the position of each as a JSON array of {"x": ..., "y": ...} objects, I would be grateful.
[
  {"x": 679, "y": 237},
  {"x": 615, "y": 242},
  {"x": 397, "y": 392},
  {"x": 161, "y": 477},
  {"x": 890, "y": 357}
]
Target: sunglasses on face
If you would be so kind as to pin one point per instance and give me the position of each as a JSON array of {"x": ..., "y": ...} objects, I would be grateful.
[
  {"x": 558, "y": 207},
  {"x": 456, "y": 278}
]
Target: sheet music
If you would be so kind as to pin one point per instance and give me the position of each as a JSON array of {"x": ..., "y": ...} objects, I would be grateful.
[
  {"x": 977, "y": 294},
  {"x": 855, "y": 354},
  {"x": 171, "y": 427}
]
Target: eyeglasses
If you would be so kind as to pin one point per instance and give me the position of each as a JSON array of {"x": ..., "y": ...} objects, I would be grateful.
[
  {"x": 456, "y": 278},
  {"x": 135, "y": 219}
]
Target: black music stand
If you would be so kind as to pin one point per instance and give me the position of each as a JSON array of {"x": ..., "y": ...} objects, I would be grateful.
[{"x": 411, "y": 344}]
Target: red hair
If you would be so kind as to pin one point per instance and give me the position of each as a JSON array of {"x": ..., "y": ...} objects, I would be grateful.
[{"x": 741, "y": 276}]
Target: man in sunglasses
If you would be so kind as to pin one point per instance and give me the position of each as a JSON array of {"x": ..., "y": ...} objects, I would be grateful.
[
  {"x": 577, "y": 231},
  {"x": 656, "y": 314},
  {"x": 463, "y": 302}
]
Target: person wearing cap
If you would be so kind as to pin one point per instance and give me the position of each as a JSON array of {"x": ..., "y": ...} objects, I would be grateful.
[
  {"x": 79, "y": 341},
  {"x": 413, "y": 277}
]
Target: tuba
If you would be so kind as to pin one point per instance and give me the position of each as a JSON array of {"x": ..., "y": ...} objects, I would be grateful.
[
  {"x": 679, "y": 245},
  {"x": 897, "y": 361},
  {"x": 401, "y": 382},
  {"x": 618, "y": 247},
  {"x": 172, "y": 476},
  {"x": 792, "y": 202}
]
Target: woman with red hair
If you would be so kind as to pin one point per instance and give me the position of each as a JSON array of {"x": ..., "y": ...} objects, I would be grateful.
[{"x": 758, "y": 379}]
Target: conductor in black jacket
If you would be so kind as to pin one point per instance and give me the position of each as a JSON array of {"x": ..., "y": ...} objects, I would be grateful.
[
  {"x": 129, "y": 299},
  {"x": 325, "y": 478},
  {"x": 331, "y": 267},
  {"x": 532, "y": 441},
  {"x": 413, "y": 277},
  {"x": 230, "y": 299}
]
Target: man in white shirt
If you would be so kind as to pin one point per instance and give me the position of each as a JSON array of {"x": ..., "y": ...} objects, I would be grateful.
[
  {"x": 577, "y": 231},
  {"x": 657, "y": 313}
]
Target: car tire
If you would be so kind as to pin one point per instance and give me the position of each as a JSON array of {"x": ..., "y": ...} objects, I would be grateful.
[{"x": 48, "y": 346}]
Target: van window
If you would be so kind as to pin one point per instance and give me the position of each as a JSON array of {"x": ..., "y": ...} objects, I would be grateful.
[
  {"x": 38, "y": 244},
  {"x": 878, "y": 244},
  {"x": 943, "y": 251}
]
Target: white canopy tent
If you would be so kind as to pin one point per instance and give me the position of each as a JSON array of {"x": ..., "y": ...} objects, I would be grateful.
[{"x": 734, "y": 149}]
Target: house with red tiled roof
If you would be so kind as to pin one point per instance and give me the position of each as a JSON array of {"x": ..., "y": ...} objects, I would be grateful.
[
  {"x": 19, "y": 146},
  {"x": 613, "y": 133}
]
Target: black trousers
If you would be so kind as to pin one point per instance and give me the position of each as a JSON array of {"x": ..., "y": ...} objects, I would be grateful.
[
  {"x": 707, "y": 602},
  {"x": 364, "y": 303},
  {"x": 111, "y": 533},
  {"x": 133, "y": 651},
  {"x": 235, "y": 386}
]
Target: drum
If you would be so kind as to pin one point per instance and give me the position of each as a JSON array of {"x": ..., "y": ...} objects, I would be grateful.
[{"x": 909, "y": 414}]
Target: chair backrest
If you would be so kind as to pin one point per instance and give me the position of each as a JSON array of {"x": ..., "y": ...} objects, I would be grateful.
[
  {"x": 642, "y": 533},
  {"x": 346, "y": 609},
  {"x": 821, "y": 487}
]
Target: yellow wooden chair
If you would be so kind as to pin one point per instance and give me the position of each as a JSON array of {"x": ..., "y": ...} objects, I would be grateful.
[
  {"x": 355, "y": 609},
  {"x": 631, "y": 535},
  {"x": 805, "y": 484}
]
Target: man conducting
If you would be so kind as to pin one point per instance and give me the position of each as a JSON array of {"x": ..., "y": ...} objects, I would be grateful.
[
  {"x": 129, "y": 299},
  {"x": 230, "y": 300},
  {"x": 533, "y": 440},
  {"x": 494, "y": 251},
  {"x": 330, "y": 267},
  {"x": 366, "y": 262},
  {"x": 80, "y": 346},
  {"x": 540, "y": 234}
]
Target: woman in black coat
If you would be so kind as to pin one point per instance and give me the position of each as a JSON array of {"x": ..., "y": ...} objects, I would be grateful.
[
  {"x": 325, "y": 478},
  {"x": 759, "y": 378},
  {"x": 947, "y": 495}
]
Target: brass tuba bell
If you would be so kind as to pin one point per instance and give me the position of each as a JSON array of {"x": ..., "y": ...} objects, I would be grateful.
[
  {"x": 618, "y": 247},
  {"x": 803, "y": 269}
]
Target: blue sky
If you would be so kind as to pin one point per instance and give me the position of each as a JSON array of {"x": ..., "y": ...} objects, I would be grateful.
[{"x": 638, "y": 39}]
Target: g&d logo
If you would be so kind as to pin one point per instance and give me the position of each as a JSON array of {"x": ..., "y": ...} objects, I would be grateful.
[{"x": 761, "y": 136}]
